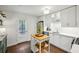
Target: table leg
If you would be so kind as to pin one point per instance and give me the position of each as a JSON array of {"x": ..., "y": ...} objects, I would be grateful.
[
  {"x": 40, "y": 47},
  {"x": 49, "y": 47}
]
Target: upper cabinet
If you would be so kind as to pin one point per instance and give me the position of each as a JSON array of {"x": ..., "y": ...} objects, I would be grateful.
[
  {"x": 78, "y": 16},
  {"x": 68, "y": 17}
]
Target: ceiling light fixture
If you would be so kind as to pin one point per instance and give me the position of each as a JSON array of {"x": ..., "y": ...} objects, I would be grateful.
[{"x": 46, "y": 10}]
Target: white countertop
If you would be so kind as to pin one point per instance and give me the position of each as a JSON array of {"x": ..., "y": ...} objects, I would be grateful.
[
  {"x": 2, "y": 37},
  {"x": 72, "y": 32},
  {"x": 75, "y": 35}
]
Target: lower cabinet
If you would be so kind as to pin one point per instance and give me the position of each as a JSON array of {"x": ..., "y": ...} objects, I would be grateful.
[
  {"x": 3, "y": 45},
  {"x": 62, "y": 41}
]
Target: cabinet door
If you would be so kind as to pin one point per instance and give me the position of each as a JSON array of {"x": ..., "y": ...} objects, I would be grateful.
[
  {"x": 66, "y": 42},
  {"x": 54, "y": 39},
  {"x": 5, "y": 44},
  {"x": 0, "y": 47},
  {"x": 68, "y": 17},
  {"x": 78, "y": 15}
]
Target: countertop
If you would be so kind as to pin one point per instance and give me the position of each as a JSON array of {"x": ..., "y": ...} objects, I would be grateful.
[
  {"x": 72, "y": 34},
  {"x": 67, "y": 31},
  {"x": 2, "y": 37}
]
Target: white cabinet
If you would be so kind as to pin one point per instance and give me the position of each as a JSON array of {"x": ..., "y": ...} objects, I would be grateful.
[
  {"x": 61, "y": 41},
  {"x": 68, "y": 17},
  {"x": 78, "y": 16},
  {"x": 66, "y": 42},
  {"x": 54, "y": 39}
]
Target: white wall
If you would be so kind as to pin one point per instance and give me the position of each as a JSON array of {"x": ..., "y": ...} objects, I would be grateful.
[
  {"x": 77, "y": 15},
  {"x": 11, "y": 24}
]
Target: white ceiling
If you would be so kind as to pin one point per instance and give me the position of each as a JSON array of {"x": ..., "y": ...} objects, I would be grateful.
[{"x": 32, "y": 9}]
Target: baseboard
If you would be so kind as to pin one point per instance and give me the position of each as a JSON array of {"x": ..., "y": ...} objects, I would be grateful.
[
  {"x": 8, "y": 45},
  {"x": 17, "y": 43}
]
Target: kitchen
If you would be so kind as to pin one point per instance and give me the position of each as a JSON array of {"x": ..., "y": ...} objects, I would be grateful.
[{"x": 60, "y": 22}]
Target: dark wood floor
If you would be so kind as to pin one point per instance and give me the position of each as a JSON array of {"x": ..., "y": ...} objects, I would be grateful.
[
  {"x": 20, "y": 48},
  {"x": 25, "y": 48}
]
